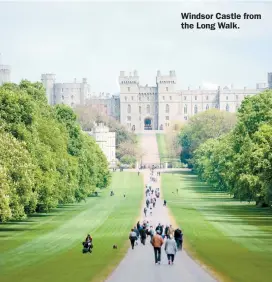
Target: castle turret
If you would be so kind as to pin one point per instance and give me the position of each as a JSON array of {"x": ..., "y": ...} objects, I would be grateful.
[
  {"x": 269, "y": 78},
  {"x": 4, "y": 73},
  {"x": 48, "y": 81}
]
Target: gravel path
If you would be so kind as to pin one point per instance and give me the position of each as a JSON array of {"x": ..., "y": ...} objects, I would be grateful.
[{"x": 139, "y": 264}]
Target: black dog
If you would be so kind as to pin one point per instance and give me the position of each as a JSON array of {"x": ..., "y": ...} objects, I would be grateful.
[{"x": 114, "y": 246}]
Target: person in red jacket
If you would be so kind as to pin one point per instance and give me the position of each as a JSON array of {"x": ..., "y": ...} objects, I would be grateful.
[{"x": 157, "y": 242}]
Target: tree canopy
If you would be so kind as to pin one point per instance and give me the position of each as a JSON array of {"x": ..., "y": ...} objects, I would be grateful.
[
  {"x": 201, "y": 127},
  {"x": 46, "y": 159},
  {"x": 240, "y": 162}
]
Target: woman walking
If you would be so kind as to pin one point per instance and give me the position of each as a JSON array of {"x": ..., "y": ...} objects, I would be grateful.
[{"x": 170, "y": 249}]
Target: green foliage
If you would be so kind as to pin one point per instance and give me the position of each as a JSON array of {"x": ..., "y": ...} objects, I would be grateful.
[
  {"x": 45, "y": 158},
  {"x": 241, "y": 161},
  {"x": 127, "y": 159},
  {"x": 125, "y": 140},
  {"x": 201, "y": 127}
]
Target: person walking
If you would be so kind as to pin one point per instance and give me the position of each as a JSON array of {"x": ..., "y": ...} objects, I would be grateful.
[
  {"x": 178, "y": 236},
  {"x": 143, "y": 235},
  {"x": 170, "y": 249},
  {"x": 164, "y": 203},
  {"x": 132, "y": 238},
  {"x": 145, "y": 211},
  {"x": 157, "y": 243}
]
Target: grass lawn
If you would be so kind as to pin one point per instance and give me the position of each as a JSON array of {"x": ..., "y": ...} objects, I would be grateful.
[
  {"x": 233, "y": 238},
  {"x": 48, "y": 247},
  {"x": 161, "y": 141}
]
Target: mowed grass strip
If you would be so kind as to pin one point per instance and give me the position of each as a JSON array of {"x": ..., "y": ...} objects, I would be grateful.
[
  {"x": 161, "y": 141},
  {"x": 234, "y": 239},
  {"x": 50, "y": 249}
]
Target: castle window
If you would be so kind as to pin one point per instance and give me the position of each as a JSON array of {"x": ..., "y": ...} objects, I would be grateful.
[
  {"x": 72, "y": 97},
  {"x": 185, "y": 118},
  {"x": 129, "y": 118},
  {"x": 195, "y": 109},
  {"x": 167, "y": 108},
  {"x": 236, "y": 97},
  {"x": 195, "y": 97},
  {"x": 207, "y": 97},
  {"x": 184, "y": 97},
  {"x": 207, "y": 107},
  {"x": 129, "y": 109},
  {"x": 237, "y": 106},
  {"x": 61, "y": 89},
  {"x": 125, "y": 98},
  {"x": 140, "y": 109},
  {"x": 62, "y": 97},
  {"x": 170, "y": 97},
  {"x": 148, "y": 98},
  {"x": 167, "y": 117},
  {"x": 128, "y": 89},
  {"x": 227, "y": 97},
  {"x": 185, "y": 109},
  {"x": 132, "y": 98},
  {"x": 148, "y": 109},
  {"x": 227, "y": 107},
  {"x": 163, "y": 97},
  {"x": 166, "y": 88}
]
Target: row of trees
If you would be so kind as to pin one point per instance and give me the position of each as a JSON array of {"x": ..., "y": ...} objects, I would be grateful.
[
  {"x": 45, "y": 158},
  {"x": 127, "y": 147},
  {"x": 240, "y": 160}
]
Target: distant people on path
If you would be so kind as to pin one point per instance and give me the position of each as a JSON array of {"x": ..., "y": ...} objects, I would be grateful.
[
  {"x": 150, "y": 210},
  {"x": 170, "y": 249},
  {"x": 157, "y": 243},
  {"x": 138, "y": 172},
  {"x": 147, "y": 203},
  {"x": 132, "y": 238},
  {"x": 111, "y": 193},
  {"x": 164, "y": 203}
]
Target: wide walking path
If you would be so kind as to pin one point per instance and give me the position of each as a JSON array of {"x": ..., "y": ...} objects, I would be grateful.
[{"x": 139, "y": 264}]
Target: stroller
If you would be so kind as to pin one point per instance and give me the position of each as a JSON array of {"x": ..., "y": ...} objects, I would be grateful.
[{"x": 87, "y": 247}]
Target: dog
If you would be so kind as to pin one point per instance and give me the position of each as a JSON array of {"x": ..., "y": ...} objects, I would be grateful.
[{"x": 114, "y": 246}]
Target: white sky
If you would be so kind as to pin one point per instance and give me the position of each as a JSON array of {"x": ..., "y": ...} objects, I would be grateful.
[{"x": 97, "y": 40}]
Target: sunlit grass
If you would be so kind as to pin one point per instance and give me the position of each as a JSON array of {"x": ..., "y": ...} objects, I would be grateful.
[
  {"x": 233, "y": 238},
  {"x": 48, "y": 247}
]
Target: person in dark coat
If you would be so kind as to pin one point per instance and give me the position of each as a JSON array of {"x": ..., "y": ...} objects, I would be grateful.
[{"x": 143, "y": 234}]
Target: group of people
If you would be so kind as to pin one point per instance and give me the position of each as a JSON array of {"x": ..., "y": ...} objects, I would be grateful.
[
  {"x": 159, "y": 235},
  {"x": 173, "y": 239}
]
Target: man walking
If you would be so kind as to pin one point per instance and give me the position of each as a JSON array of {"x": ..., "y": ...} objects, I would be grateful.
[
  {"x": 132, "y": 238},
  {"x": 157, "y": 242}
]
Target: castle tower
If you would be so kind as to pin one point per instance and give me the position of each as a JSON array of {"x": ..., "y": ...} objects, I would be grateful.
[
  {"x": 167, "y": 106},
  {"x": 4, "y": 73},
  {"x": 84, "y": 91},
  {"x": 129, "y": 90},
  {"x": 269, "y": 80},
  {"x": 48, "y": 81}
]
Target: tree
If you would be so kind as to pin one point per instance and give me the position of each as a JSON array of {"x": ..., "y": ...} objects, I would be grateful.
[{"x": 201, "y": 127}]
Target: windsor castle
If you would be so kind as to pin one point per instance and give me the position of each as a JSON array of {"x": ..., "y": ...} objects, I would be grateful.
[{"x": 146, "y": 107}]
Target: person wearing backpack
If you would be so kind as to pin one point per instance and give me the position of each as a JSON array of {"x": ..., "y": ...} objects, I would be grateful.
[{"x": 132, "y": 238}]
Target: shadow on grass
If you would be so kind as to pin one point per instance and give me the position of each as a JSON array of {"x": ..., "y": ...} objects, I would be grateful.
[
  {"x": 236, "y": 213},
  {"x": 7, "y": 229}
]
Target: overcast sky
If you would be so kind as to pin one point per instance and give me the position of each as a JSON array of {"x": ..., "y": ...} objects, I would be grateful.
[{"x": 97, "y": 40}]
